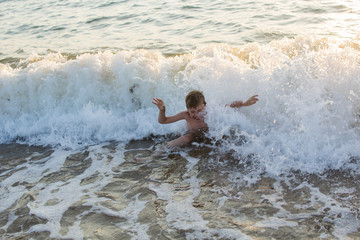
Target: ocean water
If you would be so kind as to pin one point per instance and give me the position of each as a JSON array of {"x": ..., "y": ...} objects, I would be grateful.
[
  {"x": 168, "y": 27},
  {"x": 76, "y": 76}
]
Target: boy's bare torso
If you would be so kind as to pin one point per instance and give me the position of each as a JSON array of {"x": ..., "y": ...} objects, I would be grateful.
[
  {"x": 194, "y": 123},
  {"x": 194, "y": 116}
]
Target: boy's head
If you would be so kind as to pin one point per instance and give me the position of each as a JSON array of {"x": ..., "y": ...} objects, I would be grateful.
[
  {"x": 194, "y": 99},
  {"x": 195, "y": 103}
]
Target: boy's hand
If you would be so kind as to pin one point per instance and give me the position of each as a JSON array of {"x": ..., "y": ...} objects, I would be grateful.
[
  {"x": 159, "y": 103},
  {"x": 251, "y": 100}
]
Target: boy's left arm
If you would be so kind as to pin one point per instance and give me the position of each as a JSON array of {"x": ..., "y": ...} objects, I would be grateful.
[{"x": 249, "y": 102}]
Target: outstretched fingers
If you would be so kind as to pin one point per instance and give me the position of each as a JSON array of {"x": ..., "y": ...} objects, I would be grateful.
[
  {"x": 156, "y": 101},
  {"x": 159, "y": 103},
  {"x": 251, "y": 101}
]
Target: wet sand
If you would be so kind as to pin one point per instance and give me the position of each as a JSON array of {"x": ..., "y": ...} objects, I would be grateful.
[{"x": 101, "y": 192}]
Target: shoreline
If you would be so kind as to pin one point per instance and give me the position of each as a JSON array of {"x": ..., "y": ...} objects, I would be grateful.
[{"x": 102, "y": 193}]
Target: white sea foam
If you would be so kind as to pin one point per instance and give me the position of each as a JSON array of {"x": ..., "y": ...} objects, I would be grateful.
[
  {"x": 307, "y": 117},
  {"x": 65, "y": 194}
]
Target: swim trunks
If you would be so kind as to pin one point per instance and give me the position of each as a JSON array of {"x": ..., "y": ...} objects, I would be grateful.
[{"x": 198, "y": 135}]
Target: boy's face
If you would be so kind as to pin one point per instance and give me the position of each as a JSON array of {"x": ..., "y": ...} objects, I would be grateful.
[{"x": 197, "y": 112}]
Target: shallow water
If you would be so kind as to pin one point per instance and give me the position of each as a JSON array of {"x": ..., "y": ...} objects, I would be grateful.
[{"x": 101, "y": 192}]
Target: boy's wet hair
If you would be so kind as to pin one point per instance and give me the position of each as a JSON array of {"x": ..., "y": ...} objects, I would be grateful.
[{"x": 194, "y": 99}]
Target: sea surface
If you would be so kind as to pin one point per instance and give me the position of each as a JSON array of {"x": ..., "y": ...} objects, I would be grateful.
[{"x": 77, "y": 80}]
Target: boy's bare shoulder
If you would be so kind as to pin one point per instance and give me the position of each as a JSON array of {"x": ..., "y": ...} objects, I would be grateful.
[
  {"x": 181, "y": 115},
  {"x": 185, "y": 114}
]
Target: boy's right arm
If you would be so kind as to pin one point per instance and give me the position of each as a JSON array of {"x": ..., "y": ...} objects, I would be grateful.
[{"x": 162, "y": 117}]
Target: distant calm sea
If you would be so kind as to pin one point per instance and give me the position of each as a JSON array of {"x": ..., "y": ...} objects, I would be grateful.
[{"x": 171, "y": 27}]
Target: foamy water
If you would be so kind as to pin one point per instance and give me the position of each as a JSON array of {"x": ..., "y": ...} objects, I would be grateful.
[
  {"x": 307, "y": 117},
  {"x": 101, "y": 192}
]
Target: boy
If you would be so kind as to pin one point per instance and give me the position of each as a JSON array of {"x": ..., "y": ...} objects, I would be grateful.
[{"x": 194, "y": 116}]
